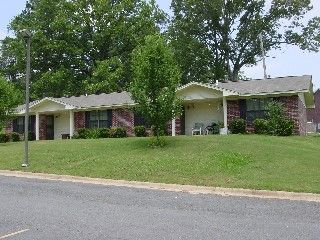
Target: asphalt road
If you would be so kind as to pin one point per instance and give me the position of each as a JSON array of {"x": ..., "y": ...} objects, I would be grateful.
[{"x": 62, "y": 210}]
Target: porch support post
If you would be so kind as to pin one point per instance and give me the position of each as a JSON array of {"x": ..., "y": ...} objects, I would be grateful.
[
  {"x": 71, "y": 123},
  {"x": 173, "y": 127},
  {"x": 225, "y": 115},
  {"x": 37, "y": 127}
]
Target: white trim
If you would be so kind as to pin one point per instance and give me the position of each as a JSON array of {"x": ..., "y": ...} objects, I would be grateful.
[
  {"x": 210, "y": 86},
  {"x": 71, "y": 122},
  {"x": 37, "y": 127},
  {"x": 173, "y": 127},
  {"x": 106, "y": 107},
  {"x": 36, "y": 103},
  {"x": 225, "y": 113},
  {"x": 272, "y": 93}
]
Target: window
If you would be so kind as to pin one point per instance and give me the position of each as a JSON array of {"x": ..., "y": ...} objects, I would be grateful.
[
  {"x": 257, "y": 108},
  {"x": 20, "y": 125},
  {"x": 98, "y": 119}
]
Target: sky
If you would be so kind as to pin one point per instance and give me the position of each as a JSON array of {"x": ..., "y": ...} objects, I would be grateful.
[{"x": 289, "y": 61}]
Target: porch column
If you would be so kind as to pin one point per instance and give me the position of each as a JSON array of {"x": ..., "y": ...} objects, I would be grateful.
[
  {"x": 71, "y": 123},
  {"x": 37, "y": 127},
  {"x": 173, "y": 127},
  {"x": 225, "y": 115}
]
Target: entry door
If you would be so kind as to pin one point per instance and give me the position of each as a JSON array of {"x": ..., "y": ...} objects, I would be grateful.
[{"x": 50, "y": 127}]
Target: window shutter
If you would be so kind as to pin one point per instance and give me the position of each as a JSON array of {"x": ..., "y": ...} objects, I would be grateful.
[
  {"x": 32, "y": 123},
  {"x": 243, "y": 108},
  {"x": 109, "y": 112},
  {"x": 87, "y": 119},
  {"x": 15, "y": 125}
]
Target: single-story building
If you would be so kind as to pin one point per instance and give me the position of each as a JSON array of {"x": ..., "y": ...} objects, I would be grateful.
[
  {"x": 313, "y": 114},
  {"x": 205, "y": 103}
]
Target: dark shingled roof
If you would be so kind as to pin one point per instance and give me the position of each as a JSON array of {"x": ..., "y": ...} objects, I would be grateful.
[
  {"x": 101, "y": 100},
  {"x": 270, "y": 85},
  {"x": 243, "y": 87}
]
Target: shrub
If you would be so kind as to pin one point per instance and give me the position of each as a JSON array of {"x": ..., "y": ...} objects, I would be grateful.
[
  {"x": 261, "y": 126},
  {"x": 157, "y": 142},
  {"x": 82, "y": 133},
  {"x": 285, "y": 127},
  {"x": 4, "y": 137},
  {"x": 279, "y": 125},
  {"x": 140, "y": 131},
  {"x": 118, "y": 133},
  {"x": 15, "y": 137},
  {"x": 103, "y": 132},
  {"x": 238, "y": 125}
]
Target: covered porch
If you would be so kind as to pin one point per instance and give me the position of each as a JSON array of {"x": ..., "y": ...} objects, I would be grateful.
[
  {"x": 203, "y": 105},
  {"x": 53, "y": 119}
]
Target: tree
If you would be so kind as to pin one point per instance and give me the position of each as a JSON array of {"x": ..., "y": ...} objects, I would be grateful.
[
  {"x": 215, "y": 39},
  {"x": 155, "y": 79},
  {"x": 73, "y": 40},
  {"x": 9, "y": 99}
]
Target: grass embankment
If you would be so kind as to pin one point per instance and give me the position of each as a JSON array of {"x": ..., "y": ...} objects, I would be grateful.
[{"x": 257, "y": 162}]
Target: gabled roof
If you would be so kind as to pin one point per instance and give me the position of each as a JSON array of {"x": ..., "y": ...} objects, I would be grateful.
[
  {"x": 207, "y": 85},
  {"x": 89, "y": 101},
  {"x": 101, "y": 100},
  {"x": 292, "y": 84}
]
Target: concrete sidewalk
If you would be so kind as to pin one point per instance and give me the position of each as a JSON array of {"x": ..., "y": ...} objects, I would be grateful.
[{"x": 308, "y": 197}]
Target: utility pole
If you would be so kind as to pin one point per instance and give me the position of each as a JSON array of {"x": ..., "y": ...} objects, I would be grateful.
[
  {"x": 26, "y": 34},
  {"x": 263, "y": 57}
]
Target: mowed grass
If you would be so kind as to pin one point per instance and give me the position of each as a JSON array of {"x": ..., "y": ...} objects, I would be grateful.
[{"x": 240, "y": 161}]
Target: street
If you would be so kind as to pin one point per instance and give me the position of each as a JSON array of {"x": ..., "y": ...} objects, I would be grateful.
[{"x": 42, "y": 209}]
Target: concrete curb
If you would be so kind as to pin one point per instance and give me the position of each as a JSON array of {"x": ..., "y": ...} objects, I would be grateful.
[{"x": 308, "y": 197}]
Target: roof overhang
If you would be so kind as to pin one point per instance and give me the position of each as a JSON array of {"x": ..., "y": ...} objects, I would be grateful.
[
  {"x": 223, "y": 92},
  {"x": 43, "y": 101}
]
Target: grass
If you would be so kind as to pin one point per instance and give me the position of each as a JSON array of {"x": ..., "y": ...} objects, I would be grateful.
[{"x": 240, "y": 161}]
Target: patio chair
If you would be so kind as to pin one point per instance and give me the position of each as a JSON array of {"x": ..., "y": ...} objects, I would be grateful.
[{"x": 198, "y": 129}]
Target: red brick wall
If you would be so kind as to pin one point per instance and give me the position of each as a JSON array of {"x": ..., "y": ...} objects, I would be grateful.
[
  {"x": 123, "y": 118},
  {"x": 8, "y": 128},
  {"x": 42, "y": 127},
  {"x": 79, "y": 120},
  {"x": 233, "y": 110},
  {"x": 293, "y": 109}
]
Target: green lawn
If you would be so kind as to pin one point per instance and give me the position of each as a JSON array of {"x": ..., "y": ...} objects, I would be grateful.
[{"x": 258, "y": 162}]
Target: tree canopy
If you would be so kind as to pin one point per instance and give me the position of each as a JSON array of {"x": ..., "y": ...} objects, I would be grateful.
[
  {"x": 79, "y": 46},
  {"x": 155, "y": 79},
  {"x": 215, "y": 39},
  {"x": 9, "y": 99}
]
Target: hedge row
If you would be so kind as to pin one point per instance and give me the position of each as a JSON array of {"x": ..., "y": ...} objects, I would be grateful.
[
  {"x": 85, "y": 133},
  {"x": 9, "y": 137}
]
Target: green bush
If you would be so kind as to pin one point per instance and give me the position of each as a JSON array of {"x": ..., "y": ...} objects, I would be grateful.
[
  {"x": 103, "y": 132},
  {"x": 279, "y": 124},
  {"x": 4, "y": 137},
  {"x": 157, "y": 142},
  {"x": 15, "y": 137},
  {"x": 285, "y": 127},
  {"x": 261, "y": 126},
  {"x": 238, "y": 126},
  {"x": 140, "y": 131},
  {"x": 118, "y": 133},
  {"x": 82, "y": 133}
]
